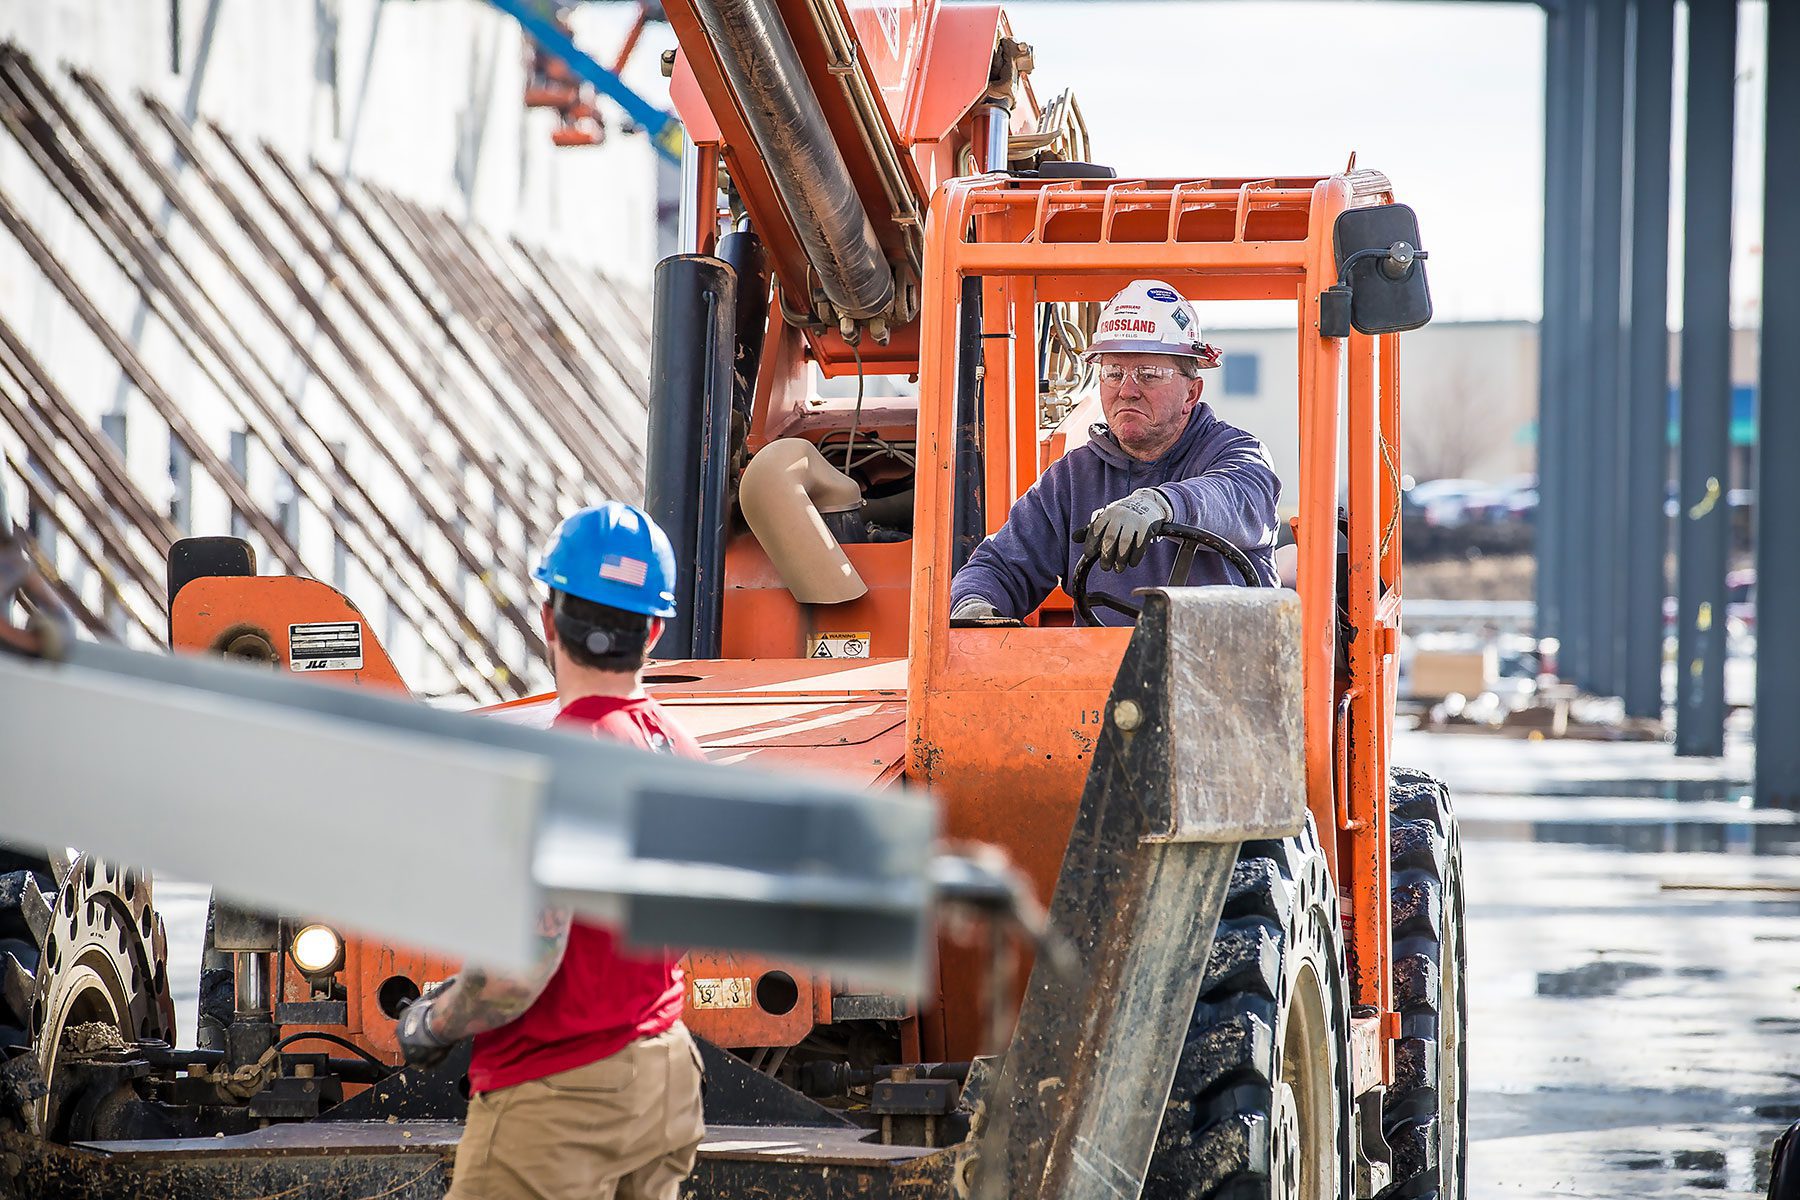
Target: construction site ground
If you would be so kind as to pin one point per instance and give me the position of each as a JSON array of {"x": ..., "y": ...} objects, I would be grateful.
[
  {"x": 1633, "y": 1009},
  {"x": 1634, "y": 1001}
]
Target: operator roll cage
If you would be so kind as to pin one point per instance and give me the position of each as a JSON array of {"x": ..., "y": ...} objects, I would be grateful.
[{"x": 1031, "y": 242}]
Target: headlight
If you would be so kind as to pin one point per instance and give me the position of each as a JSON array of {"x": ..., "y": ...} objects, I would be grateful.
[{"x": 317, "y": 949}]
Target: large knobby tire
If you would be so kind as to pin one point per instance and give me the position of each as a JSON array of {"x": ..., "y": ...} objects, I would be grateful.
[
  {"x": 1425, "y": 1118},
  {"x": 80, "y": 945},
  {"x": 27, "y": 891},
  {"x": 1260, "y": 1105}
]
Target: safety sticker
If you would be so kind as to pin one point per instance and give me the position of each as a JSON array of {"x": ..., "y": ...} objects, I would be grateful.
[
  {"x": 723, "y": 993},
  {"x": 326, "y": 646},
  {"x": 1166, "y": 295},
  {"x": 838, "y": 645}
]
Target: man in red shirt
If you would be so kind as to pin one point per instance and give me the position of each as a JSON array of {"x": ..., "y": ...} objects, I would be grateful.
[{"x": 583, "y": 1080}]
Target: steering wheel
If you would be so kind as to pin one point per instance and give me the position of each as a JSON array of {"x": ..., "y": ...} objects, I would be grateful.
[{"x": 1192, "y": 539}]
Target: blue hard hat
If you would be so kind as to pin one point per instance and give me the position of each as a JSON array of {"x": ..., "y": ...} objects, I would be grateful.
[{"x": 612, "y": 554}]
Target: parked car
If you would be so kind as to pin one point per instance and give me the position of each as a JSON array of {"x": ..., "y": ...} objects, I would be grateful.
[{"x": 1460, "y": 516}]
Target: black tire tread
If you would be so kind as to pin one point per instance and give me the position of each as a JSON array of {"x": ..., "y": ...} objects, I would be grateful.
[
  {"x": 1214, "y": 1140},
  {"x": 18, "y": 940},
  {"x": 1425, "y": 888}
]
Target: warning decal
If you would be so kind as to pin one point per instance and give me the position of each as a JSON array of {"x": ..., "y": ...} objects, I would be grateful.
[
  {"x": 722, "y": 993},
  {"x": 838, "y": 645},
  {"x": 326, "y": 646}
]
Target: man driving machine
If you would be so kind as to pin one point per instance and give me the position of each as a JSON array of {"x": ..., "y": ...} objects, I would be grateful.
[{"x": 1161, "y": 458}]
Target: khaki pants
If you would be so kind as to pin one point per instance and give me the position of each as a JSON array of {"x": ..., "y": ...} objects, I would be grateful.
[{"x": 623, "y": 1128}]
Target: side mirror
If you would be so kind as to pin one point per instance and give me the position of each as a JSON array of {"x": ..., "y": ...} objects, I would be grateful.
[{"x": 1381, "y": 285}]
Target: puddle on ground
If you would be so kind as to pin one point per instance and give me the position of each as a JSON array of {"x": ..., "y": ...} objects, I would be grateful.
[
  {"x": 1594, "y": 979},
  {"x": 1708, "y": 834},
  {"x": 1674, "y": 837},
  {"x": 1729, "y": 790},
  {"x": 1604, "y": 977},
  {"x": 1739, "y": 1169}
]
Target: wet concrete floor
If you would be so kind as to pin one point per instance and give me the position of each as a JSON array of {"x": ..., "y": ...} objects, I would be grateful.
[{"x": 1634, "y": 1012}]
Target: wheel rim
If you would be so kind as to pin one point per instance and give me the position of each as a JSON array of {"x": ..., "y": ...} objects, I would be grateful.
[
  {"x": 102, "y": 961},
  {"x": 1304, "y": 1138},
  {"x": 89, "y": 991}
]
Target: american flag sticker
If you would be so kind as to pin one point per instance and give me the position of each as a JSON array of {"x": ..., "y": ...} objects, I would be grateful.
[{"x": 628, "y": 571}]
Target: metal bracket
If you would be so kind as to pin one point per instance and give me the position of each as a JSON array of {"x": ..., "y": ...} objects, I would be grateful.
[{"x": 1211, "y": 679}]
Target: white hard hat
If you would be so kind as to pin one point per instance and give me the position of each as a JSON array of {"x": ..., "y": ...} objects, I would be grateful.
[{"x": 1150, "y": 317}]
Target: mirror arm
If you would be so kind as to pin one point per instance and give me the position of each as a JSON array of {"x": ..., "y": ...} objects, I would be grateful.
[{"x": 1397, "y": 262}]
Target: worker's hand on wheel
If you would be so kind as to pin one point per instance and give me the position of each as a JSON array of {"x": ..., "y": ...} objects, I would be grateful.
[
  {"x": 973, "y": 608},
  {"x": 420, "y": 1046},
  {"x": 1121, "y": 532}
]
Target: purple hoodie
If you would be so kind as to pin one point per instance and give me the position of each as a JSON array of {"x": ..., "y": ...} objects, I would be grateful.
[{"x": 1216, "y": 476}]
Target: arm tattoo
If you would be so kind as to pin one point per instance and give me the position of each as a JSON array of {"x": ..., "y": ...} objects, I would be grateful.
[{"x": 477, "y": 1000}]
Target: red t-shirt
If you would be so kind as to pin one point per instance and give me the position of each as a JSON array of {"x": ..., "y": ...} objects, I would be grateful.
[{"x": 603, "y": 997}]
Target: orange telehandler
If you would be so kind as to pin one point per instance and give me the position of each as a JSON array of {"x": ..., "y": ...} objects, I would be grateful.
[{"x": 1252, "y": 979}]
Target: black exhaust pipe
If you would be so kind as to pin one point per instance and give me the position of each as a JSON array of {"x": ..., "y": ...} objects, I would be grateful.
[{"x": 691, "y": 347}]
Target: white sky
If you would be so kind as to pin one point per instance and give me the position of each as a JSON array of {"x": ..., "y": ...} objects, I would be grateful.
[{"x": 1446, "y": 98}]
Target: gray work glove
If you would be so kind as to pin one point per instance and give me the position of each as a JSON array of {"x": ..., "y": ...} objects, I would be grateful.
[
  {"x": 973, "y": 607},
  {"x": 419, "y": 1046},
  {"x": 1121, "y": 532}
]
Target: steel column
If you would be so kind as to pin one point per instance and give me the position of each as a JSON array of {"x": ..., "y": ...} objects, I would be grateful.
[
  {"x": 1605, "y": 351},
  {"x": 1645, "y": 440},
  {"x": 1562, "y": 114},
  {"x": 1578, "y": 516},
  {"x": 1703, "y": 521},
  {"x": 1778, "y": 435}
]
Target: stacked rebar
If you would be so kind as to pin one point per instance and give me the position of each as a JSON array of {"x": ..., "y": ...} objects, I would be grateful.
[{"x": 374, "y": 393}]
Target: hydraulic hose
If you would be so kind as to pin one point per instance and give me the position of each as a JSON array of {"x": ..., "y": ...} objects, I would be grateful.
[{"x": 792, "y": 136}]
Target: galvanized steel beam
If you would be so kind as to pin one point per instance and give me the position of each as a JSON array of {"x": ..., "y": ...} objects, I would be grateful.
[
  {"x": 1577, "y": 516},
  {"x": 500, "y": 819}
]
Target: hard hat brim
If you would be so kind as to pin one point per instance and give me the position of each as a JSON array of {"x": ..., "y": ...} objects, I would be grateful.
[{"x": 1206, "y": 360}]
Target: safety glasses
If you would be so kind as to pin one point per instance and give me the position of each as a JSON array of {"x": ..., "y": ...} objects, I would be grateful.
[{"x": 1112, "y": 375}]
